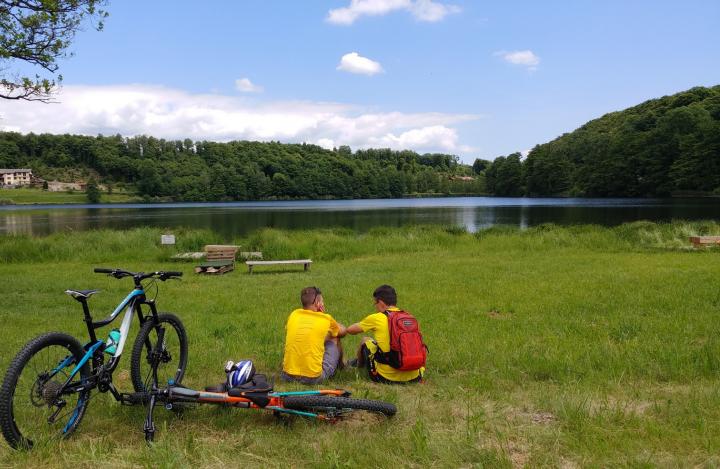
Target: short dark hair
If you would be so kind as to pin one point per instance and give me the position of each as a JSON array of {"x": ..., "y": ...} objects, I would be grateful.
[
  {"x": 387, "y": 294},
  {"x": 308, "y": 295}
]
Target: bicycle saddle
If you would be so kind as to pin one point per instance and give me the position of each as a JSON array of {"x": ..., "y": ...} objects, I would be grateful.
[{"x": 81, "y": 294}]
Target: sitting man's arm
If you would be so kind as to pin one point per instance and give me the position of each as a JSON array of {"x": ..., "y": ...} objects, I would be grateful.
[
  {"x": 354, "y": 329},
  {"x": 336, "y": 330}
]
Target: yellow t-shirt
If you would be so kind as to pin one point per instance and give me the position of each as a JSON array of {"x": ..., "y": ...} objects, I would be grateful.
[
  {"x": 378, "y": 324},
  {"x": 306, "y": 332}
]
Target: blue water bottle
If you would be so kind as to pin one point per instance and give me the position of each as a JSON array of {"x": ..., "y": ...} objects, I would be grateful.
[{"x": 112, "y": 341}]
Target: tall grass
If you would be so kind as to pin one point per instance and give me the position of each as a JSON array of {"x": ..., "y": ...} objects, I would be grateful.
[{"x": 337, "y": 244}]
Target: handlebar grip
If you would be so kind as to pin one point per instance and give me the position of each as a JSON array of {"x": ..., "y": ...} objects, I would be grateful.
[
  {"x": 174, "y": 274},
  {"x": 103, "y": 270}
]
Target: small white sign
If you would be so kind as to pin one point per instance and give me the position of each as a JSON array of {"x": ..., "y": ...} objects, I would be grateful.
[{"x": 167, "y": 239}]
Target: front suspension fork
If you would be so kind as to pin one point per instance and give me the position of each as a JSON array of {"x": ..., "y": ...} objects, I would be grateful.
[{"x": 155, "y": 356}]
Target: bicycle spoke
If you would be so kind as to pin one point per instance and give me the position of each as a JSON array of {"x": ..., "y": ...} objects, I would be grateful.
[
  {"x": 165, "y": 357},
  {"x": 147, "y": 379},
  {"x": 36, "y": 399}
]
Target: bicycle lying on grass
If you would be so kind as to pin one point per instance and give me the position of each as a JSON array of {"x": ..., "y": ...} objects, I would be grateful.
[{"x": 47, "y": 387}]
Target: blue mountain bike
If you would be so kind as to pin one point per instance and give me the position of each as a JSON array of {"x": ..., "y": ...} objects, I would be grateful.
[{"x": 47, "y": 387}]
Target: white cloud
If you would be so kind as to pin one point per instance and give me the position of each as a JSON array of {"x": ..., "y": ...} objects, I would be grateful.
[
  {"x": 174, "y": 114},
  {"x": 427, "y": 10},
  {"x": 325, "y": 143},
  {"x": 521, "y": 57},
  {"x": 246, "y": 86},
  {"x": 355, "y": 63},
  {"x": 423, "y": 137},
  {"x": 422, "y": 10}
]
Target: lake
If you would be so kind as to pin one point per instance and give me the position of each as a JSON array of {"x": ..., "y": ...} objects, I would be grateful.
[{"x": 240, "y": 218}]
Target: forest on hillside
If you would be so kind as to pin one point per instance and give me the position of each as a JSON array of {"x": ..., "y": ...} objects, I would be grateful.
[
  {"x": 661, "y": 147},
  {"x": 240, "y": 170},
  {"x": 665, "y": 146}
]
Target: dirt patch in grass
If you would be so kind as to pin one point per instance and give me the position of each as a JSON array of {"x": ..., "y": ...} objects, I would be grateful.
[
  {"x": 519, "y": 453},
  {"x": 528, "y": 415},
  {"x": 613, "y": 404},
  {"x": 494, "y": 314},
  {"x": 541, "y": 418}
]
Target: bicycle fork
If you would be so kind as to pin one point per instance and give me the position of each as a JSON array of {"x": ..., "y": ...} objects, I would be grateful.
[{"x": 155, "y": 356}]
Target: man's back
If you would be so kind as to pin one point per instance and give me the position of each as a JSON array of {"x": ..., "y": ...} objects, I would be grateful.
[{"x": 306, "y": 332}]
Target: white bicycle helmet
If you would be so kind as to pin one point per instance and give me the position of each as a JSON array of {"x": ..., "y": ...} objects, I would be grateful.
[{"x": 239, "y": 373}]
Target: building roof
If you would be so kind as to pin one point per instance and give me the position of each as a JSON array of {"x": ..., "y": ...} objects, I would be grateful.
[{"x": 13, "y": 171}]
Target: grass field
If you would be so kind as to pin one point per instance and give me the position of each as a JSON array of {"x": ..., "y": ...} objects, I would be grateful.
[
  {"x": 555, "y": 347},
  {"x": 36, "y": 196}
]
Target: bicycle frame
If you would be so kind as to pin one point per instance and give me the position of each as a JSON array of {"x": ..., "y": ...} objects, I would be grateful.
[
  {"x": 252, "y": 400},
  {"x": 94, "y": 348}
]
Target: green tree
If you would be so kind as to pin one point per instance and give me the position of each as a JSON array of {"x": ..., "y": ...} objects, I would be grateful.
[
  {"x": 39, "y": 33},
  {"x": 504, "y": 177},
  {"x": 480, "y": 165},
  {"x": 547, "y": 172},
  {"x": 92, "y": 192},
  {"x": 344, "y": 150}
]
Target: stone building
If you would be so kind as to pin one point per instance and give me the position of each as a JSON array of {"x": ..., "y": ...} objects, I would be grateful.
[{"x": 15, "y": 177}]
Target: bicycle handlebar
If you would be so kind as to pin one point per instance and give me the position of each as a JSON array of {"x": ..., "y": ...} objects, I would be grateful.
[{"x": 119, "y": 273}]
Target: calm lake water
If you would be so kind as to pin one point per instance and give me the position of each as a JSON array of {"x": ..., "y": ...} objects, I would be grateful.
[{"x": 240, "y": 218}]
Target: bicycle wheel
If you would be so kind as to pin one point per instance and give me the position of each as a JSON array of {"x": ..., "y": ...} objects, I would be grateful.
[
  {"x": 32, "y": 409},
  {"x": 323, "y": 404},
  {"x": 170, "y": 358}
]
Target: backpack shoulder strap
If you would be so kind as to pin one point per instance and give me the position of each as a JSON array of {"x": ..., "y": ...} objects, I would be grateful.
[{"x": 387, "y": 312}]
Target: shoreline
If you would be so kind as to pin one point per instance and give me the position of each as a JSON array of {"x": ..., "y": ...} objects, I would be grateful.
[{"x": 137, "y": 200}]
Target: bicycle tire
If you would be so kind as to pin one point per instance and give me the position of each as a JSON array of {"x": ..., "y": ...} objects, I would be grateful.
[
  {"x": 333, "y": 402},
  {"x": 136, "y": 359},
  {"x": 13, "y": 435}
]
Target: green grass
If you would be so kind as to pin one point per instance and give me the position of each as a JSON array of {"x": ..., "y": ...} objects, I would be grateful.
[
  {"x": 577, "y": 346},
  {"x": 37, "y": 196}
]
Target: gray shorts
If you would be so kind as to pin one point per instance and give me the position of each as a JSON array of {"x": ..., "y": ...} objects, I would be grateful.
[{"x": 331, "y": 359}]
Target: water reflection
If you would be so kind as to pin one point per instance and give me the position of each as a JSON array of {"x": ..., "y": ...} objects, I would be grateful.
[{"x": 237, "y": 219}]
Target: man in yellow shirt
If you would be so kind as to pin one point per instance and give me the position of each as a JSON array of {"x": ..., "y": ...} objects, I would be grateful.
[
  {"x": 312, "y": 341},
  {"x": 385, "y": 299}
]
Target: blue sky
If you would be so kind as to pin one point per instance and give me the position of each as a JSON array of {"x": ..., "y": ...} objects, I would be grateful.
[{"x": 473, "y": 78}]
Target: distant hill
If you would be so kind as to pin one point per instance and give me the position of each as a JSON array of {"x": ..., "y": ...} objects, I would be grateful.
[
  {"x": 208, "y": 171},
  {"x": 661, "y": 147}
]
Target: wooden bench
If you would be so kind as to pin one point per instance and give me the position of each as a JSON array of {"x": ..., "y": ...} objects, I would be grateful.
[
  {"x": 305, "y": 262},
  {"x": 219, "y": 259},
  {"x": 703, "y": 241}
]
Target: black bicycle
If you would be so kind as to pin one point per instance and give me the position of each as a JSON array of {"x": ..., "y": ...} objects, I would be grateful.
[{"x": 47, "y": 387}]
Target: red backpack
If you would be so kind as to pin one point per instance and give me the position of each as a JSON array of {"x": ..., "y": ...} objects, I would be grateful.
[{"x": 407, "y": 349}]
